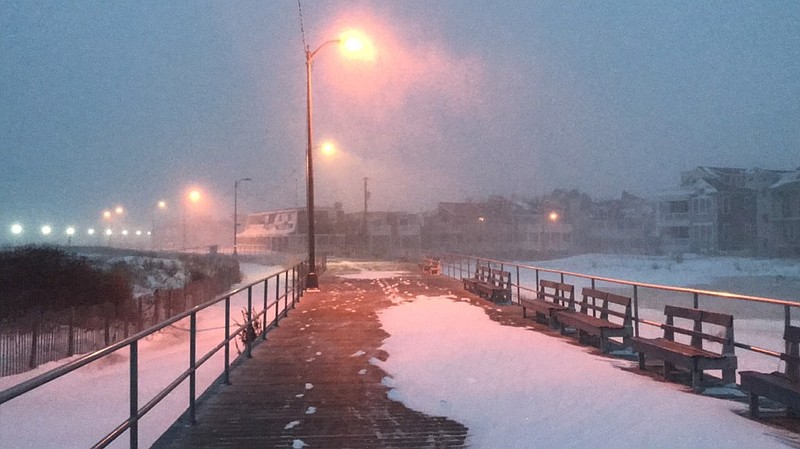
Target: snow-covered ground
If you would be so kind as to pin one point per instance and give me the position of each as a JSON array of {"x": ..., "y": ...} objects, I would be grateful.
[
  {"x": 78, "y": 409},
  {"x": 688, "y": 270},
  {"x": 517, "y": 388},
  {"x": 512, "y": 387}
]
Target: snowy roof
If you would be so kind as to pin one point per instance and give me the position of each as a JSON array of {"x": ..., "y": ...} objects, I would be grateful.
[{"x": 787, "y": 179}]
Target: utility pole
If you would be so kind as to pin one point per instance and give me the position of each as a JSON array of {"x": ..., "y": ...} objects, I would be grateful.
[{"x": 365, "y": 225}]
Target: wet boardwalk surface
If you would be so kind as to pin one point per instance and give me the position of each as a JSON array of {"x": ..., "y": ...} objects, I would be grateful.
[{"x": 311, "y": 383}]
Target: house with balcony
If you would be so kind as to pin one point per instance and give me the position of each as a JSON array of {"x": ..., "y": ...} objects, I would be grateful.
[
  {"x": 782, "y": 218},
  {"x": 716, "y": 210},
  {"x": 626, "y": 224}
]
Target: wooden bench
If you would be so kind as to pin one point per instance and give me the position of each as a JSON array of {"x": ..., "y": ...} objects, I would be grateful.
[
  {"x": 780, "y": 387},
  {"x": 587, "y": 322},
  {"x": 691, "y": 356},
  {"x": 489, "y": 283},
  {"x": 431, "y": 265},
  {"x": 552, "y": 297},
  {"x": 481, "y": 275},
  {"x": 498, "y": 287}
]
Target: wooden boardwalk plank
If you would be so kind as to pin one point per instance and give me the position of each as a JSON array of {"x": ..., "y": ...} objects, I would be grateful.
[{"x": 312, "y": 381}]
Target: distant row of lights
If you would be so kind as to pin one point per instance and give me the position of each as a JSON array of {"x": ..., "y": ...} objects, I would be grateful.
[{"x": 18, "y": 229}]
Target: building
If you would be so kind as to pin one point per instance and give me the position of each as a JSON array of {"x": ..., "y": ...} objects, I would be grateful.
[
  {"x": 782, "y": 218},
  {"x": 626, "y": 225},
  {"x": 498, "y": 226},
  {"x": 394, "y": 234},
  {"x": 286, "y": 230},
  {"x": 716, "y": 210}
]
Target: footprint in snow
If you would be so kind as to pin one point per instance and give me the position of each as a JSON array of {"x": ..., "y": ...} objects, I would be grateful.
[
  {"x": 311, "y": 410},
  {"x": 291, "y": 425}
]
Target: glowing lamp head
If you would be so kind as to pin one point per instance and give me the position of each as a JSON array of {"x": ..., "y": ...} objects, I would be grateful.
[
  {"x": 16, "y": 229},
  {"x": 70, "y": 231},
  {"x": 119, "y": 210},
  {"x": 162, "y": 204},
  {"x": 357, "y": 45},
  {"x": 328, "y": 148},
  {"x": 109, "y": 231},
  {"x": 553, "y": 216},
  {"x": 90, "y": 231},
  {"x": 106, "y": 214},
  {"x": 46, "y": 230},
  {"x": 194, "y": 196}
]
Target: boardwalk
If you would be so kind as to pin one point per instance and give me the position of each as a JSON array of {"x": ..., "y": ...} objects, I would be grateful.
[{"x": 311, "y": 382}]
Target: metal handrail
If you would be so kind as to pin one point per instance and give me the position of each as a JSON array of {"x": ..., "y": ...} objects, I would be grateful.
[
  {"x": 454, "y": 261},
  {"x": 297, "y": 281}
]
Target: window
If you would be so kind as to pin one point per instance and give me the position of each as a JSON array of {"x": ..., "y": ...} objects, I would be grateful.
[{"x": 678, "y": 207}]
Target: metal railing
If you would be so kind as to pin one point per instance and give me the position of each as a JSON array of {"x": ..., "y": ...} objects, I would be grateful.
[
  {"x": 287, "y": 287},
  {"x": 458, "y": 266}
]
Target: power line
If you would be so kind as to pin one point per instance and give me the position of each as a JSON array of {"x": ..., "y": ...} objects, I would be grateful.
[{"x": 302, "y": 30}]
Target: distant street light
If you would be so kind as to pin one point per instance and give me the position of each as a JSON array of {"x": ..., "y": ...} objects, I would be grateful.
[
  {"x": 16, "y": 229},
  {"x": 355, "y": 44},
  {"x": 236, "y": 210},
  {"x": 193, "y": 196},
  {"x": 46, "y": 230},
  {"x": 161, "y": 205}
]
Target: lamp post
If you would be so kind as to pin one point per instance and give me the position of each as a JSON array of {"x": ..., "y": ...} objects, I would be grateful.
[
  {"x": 312, "y": 281},
  {"x": 235, "y": 210},
  {"x": 353, "y": 43}
]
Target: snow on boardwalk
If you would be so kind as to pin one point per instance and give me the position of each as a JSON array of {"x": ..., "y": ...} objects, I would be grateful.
[{"x": 517, "y": 388}]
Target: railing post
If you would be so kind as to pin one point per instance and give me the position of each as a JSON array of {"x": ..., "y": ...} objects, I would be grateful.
[
  {"x": 286, "y": 293},
  {"x": 787, "y": 316},
  {"x": 264, "y": 327},
  {"x": 636, "y": 310},
  {"x": 696, "y": 301},
  {"x": 192, "y": 360},
  {"x": 249, "y": 329},
  {"x": 295, "y": 298},
  {"x": 227, "y": 378},
  {"x": 133, "y": 432},
  {"x": 518, "y": 287},
  {"x": 277, "y": 298}
]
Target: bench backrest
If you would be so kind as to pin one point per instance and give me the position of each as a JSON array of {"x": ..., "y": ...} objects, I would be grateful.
[
  {"x": 501, "y": 279},
  {"x": 792, "y": 354},
  {"x": 609, "y": 304},
  {"x": 483, "y": 273},
  {"x": 698, "y": 336},
  {"x": 557, "y": 292}
]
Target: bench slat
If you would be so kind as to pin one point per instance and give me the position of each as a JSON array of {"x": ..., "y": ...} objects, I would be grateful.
[{"x": 692, "y": 333}]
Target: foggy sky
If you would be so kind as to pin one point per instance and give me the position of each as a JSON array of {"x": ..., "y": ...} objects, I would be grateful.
[{"x": 105, "y": 103}]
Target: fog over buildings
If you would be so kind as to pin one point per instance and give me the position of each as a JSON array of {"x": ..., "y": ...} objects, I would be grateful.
[{"x": 130, "y": 102}]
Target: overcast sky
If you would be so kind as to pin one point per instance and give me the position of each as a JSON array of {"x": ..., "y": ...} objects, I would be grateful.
[{"x": 105, "y": 103}]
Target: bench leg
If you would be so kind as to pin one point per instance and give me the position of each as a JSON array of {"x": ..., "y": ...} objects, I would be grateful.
[
  {"x": 729, "y": 376},
  {"x": 667, "y": 369},
  {"x": 641, "y": 361},
  {"x": 753, "y": 405},
  {"x": 523, "y": 312},
  {"x": 697, "y": 380},
  {"x": 603, "y": 345}
]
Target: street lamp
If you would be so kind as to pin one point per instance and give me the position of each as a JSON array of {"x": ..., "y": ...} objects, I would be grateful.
[
  {"x": 160, "y": 206},
  {"x": 235, "y": 210},
  {"x": 193, "y": 197},
  {"x": 352, "y": 43}
]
